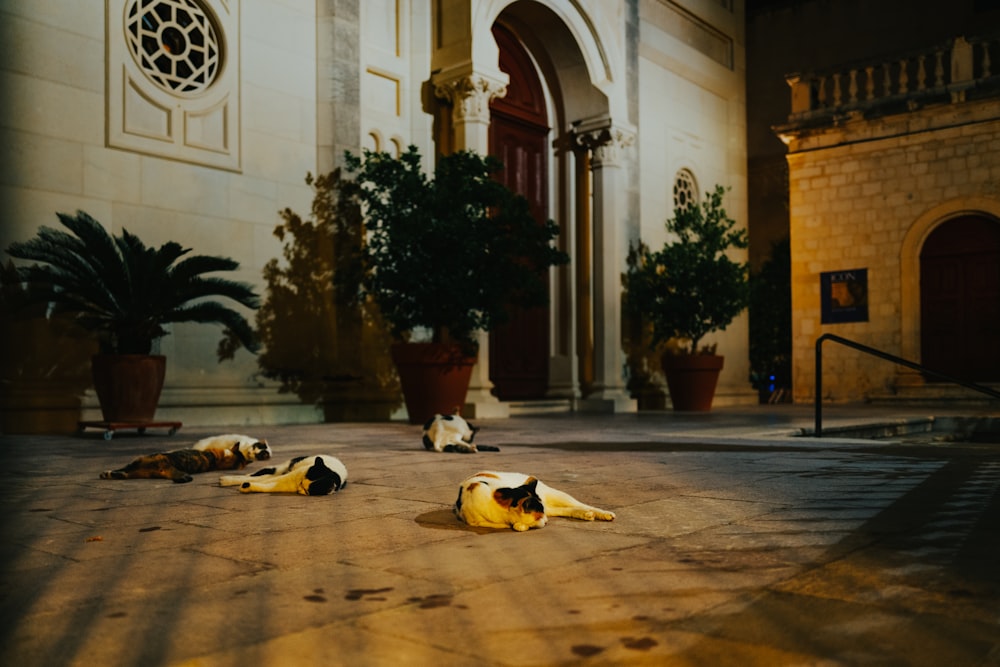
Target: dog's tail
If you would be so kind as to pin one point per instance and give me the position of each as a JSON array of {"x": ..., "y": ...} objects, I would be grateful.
[{"x": 487, "y": 448}]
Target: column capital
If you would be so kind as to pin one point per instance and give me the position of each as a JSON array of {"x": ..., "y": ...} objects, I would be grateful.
[
  {"x": 470, "y": 95},
  {"x": 606, "y": 139}
]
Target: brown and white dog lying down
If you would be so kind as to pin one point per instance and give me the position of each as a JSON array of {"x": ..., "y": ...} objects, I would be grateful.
[
  {"x": 513, "y": 500},
  {"x": 227, "y": 452}
]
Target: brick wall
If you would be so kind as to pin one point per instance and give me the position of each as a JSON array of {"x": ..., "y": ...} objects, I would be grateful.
[{"x": 864, "y": 194}]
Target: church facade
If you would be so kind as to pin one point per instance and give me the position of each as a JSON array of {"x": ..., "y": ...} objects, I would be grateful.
[{"x": 197, "y": 121}]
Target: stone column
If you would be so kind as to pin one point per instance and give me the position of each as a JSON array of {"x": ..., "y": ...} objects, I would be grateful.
[
  {"x": 338, "y": 83},
  {"x": 470, "y": 95},
  {"x": 607, "y": 142},
  {"x": 583, "y": 261}
]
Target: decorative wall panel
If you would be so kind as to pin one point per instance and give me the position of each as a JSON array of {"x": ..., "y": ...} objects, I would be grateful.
[{"x": 173, "y": 85}]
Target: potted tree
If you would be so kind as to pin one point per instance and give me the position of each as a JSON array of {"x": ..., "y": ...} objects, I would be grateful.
[
  {"x": 123, "y": 293},
  {"x": 445, "y": 258},
  {"x": 687, "y": 290},
  {"x": 321, "y": 339}
]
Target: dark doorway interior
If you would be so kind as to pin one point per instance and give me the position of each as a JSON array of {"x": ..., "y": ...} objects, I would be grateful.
[
  {"x": 519, "y": 350},
  {"x": 960, "y": 299}
]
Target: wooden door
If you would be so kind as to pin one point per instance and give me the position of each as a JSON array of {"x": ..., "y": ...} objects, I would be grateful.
[
  {"x": 519, "y": 350},
  {"x": 960, "y": 299}
]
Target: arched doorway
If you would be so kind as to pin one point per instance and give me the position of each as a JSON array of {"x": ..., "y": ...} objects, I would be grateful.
[
  {"x": 519, "y": 131},
  {"x": 960, "y": 299}
]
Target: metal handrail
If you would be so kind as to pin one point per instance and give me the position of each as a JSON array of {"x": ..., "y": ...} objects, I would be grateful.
[{"x": 882, "y": 355}]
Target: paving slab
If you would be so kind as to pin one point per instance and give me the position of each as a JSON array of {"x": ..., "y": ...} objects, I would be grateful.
[{"x": 736, "y": 542}]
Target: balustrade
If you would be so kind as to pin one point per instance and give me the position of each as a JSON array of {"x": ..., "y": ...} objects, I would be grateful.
[{"x": 941, "y": 73}]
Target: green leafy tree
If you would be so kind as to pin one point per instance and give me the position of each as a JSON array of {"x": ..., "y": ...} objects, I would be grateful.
[
  {"x": 323, "y": 340},
  {"x": 690, "y": 287},
  {"x": 450, "y": 254}
]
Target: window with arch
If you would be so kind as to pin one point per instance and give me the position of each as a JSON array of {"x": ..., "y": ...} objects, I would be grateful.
[
  {"x": 685, "y": 190},
  {"x": 173, "y": 84}
]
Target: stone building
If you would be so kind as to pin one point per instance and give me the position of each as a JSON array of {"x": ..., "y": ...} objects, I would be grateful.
[
  {"x": 893, "y": 175},
  {"x": 198, "y": 120}
]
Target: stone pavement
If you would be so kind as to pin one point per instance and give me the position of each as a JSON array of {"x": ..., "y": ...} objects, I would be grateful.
[{"x": 735, "y": 544}]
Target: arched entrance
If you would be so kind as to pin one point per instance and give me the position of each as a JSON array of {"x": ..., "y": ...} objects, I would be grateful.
[
  {"x": 585, "y": 157},
  {"x": 519, "y": 131},
  {"x": 960, "y": 299}
]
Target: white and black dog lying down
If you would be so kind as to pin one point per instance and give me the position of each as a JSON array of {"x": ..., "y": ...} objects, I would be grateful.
[
  {"x": 451, "y": 433},
  {"x": 315, "y": 475},
  {"x": 513, "y": 500}
]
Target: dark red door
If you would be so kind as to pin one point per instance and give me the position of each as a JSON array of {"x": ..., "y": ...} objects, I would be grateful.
[
  {"x": 519, "y": 350},
  {"x": 960, "y": 299}
]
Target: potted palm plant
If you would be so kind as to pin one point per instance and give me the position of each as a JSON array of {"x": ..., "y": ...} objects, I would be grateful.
[
  {"x": 446, "y": 258},
  {"x": 123, "y": 293},
  {"x": 686, "y": 290}
]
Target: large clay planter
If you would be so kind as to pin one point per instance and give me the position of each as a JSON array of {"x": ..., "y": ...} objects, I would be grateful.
[
  {"x": 434, "y": 377},
  {"x": 128, "y": 385},
  {"x": 691, "y": 379}
]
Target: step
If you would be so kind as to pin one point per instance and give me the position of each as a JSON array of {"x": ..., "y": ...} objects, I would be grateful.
[{"x": 543, "y": 406}]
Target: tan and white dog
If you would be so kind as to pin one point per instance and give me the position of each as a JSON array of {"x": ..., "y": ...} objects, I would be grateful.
[
  {"x": 315, "y": 475},
  {"x": 513, "y": 500},
  {"x": 252, "y": 449},
  {"x": 451, "y": 433}
]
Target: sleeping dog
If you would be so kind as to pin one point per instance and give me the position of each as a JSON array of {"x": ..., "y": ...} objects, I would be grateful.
[{"x": 451, "y": 433}]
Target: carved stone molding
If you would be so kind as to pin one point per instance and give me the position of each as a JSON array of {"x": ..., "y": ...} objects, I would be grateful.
[
  {"x": 173, "y": 85},
  {"x": 470, "y": 96},
  {"x": 607, "y": 142}
]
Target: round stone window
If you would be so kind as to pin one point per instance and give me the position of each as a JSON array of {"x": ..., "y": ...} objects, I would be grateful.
[
  {"x": 685, "y": 190},
  {"x": 174, "y": 42}
]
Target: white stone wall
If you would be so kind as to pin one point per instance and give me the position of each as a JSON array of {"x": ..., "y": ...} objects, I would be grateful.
[
  {"x": 395, "y": 54},
  {"x": 692, "y": 116},
  {"x": 57, "y": 159},
  {"x": 295, "y": 70}
]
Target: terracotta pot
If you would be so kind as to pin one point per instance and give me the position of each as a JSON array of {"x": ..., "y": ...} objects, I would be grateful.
[
  {"x": 128, "y": 385},
  {"x": 434, "y": 377},
  {"x": 691, "y": 379}
]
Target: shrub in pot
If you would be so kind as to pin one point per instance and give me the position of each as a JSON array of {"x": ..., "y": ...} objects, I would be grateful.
[
  {"x": 448, "y": 255},
  {"x": 123, "y": 293},
  {"x": 321, "y": 339},
  {"x": 686, "y": 290},
  {"x": 44, "y": 363}
]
